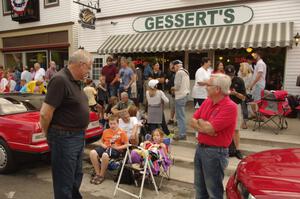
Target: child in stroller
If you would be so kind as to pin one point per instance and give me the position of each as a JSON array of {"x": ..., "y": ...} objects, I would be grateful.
[{"x": 158, "y": 153}]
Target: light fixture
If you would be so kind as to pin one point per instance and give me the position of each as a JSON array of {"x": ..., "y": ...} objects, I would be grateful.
[
  {"x": 221, "y": 58},
  {"x": 249, "y": 50},
  {"x": 297, "y": 38},
  {"x": 113, "y": 23},
  {"x": 228, "y": 60}
]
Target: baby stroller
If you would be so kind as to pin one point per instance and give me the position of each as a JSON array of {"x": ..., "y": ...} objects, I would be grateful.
[
  {"x": 146, "y": 170},
  {"x": 274, "y": 107}
]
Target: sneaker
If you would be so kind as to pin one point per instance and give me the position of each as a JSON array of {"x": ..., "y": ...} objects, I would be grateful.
[
  {"x": 177, "y": 138},
  {"x": 238, "y": 154},
  {"x": 175, "y": 123}
]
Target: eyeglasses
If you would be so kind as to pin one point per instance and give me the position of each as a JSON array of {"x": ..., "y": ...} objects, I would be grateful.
[{"x": 210, "y": 85}]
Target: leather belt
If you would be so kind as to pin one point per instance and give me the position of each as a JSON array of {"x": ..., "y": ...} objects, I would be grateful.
[
  {"x": 64, "y": 128},
  {"x": 209, "y": 146}
]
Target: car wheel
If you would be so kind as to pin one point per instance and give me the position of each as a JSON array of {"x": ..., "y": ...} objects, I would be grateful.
[{"x": 7, "y": 164}]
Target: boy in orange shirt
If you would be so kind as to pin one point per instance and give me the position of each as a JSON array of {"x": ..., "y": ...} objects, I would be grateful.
[{"x": 112, "y": 143}]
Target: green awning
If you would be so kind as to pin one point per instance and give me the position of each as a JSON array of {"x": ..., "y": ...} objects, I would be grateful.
[{"x": 225, "y": 37}]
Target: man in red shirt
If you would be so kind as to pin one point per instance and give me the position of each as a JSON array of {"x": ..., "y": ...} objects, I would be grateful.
[
  {"x": 110, "y": 72},
  {"x": 215, "y": 121}
]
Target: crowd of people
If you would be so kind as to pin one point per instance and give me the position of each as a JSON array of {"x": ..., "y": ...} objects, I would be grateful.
[
  {"x": 219, "y": 116},
  {"x": 124, "y": 94},
  {"x": 26, "y": 81}
]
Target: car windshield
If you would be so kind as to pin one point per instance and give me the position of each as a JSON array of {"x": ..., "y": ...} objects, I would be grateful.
[
  {"x": 11, "y": 107},
  {"x": 33, "y": 102}
]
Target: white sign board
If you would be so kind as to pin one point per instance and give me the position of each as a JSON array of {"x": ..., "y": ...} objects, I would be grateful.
[{"x": 234, "y": 15}]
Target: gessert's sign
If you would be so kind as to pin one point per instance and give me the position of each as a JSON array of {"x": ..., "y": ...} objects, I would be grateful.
[{"x": 195, "y": 19}]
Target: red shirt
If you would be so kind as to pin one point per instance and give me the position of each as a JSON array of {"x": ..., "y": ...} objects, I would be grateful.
[
  {"x": 109, "y": 71},
  {"x": 222, "y": 116}
]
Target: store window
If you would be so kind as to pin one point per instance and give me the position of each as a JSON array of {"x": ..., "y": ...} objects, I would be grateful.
[
  {"x": 273, "y": 57},
  {"x": 195, "y": 60},
  {"x": 6, "y": 7},
  {"x": 13, "y": 60},
  {"x": 97, "y": 66},
  {"x": 51, "y": 3},
  {"x": 34, "y": 57},
  {"x": 60, "y": 57},
  {"x": 163, "y": 59}
]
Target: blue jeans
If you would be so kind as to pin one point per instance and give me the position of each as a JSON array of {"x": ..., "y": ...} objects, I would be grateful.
[
  {"x": 128, "y": 91},
  {"x": 210, "y": 163},
  {"x": 180, "y": 115},
  {"x": 66, "y": 160},
  {"x": 112, "y": 90}
]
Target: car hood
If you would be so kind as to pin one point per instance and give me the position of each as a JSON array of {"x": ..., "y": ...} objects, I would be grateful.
[
  {"x": 25, "y": 117},
  {"x": 274, "y": 173}
]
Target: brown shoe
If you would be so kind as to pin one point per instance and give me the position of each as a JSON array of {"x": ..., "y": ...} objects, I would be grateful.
[{"x": 244, "y": 125}]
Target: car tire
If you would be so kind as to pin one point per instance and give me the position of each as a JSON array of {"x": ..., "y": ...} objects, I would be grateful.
[{"x": 7, "y": 163}]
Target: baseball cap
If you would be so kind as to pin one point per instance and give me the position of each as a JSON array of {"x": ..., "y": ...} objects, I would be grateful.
[
  {"x": 152, "y": 83},
  {"x": 176, "y": 62},
  {"x": 230, "y": 70}
]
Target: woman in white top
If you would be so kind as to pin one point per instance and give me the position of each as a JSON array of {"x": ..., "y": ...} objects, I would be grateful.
[
  {"x": 155, "y": 99},
  {"x": 91, "y": 93},
  {"x": 246, "y": 75},
  {"x": 4, "y": 84}
]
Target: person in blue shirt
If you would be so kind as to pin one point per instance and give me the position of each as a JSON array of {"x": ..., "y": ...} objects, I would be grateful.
[
  {"x": 147, "y": 70},
  {"x": 126, "y": 77}
]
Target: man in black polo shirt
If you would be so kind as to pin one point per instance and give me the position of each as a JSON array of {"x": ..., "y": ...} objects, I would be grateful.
[
  {"x": 237, "y": 94},
  {"x": 64, "y": 117}
]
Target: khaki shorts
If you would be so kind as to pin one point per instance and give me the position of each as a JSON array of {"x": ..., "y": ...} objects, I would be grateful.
[
  {"x": 239, "y": 118},
  {"x": 171, "y": 101}
]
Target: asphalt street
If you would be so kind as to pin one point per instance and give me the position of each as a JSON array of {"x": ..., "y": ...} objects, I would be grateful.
[{"x": 33, "y": 181}]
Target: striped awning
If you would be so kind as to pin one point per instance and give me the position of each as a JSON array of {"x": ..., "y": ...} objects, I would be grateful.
[{"x": 225, "y": 37}]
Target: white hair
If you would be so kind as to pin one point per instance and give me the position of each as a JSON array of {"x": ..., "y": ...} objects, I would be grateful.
[
  {"x": 124, "y": 94},
  {"x": 80, "y": 56},
  {"x": 222, "y": 81}
]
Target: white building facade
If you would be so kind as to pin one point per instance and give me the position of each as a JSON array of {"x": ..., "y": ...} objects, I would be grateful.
[
  {"x": 52, "y": 34},
  {"x": 225, "y": 31}
]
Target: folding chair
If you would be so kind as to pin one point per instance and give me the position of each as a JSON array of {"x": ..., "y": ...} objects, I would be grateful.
[
  {"x": 273, "y": 105},
  {"x": 146, "y": 170}
]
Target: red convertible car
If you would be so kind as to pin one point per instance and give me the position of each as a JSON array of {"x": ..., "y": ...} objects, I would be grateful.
[
  {"x": 20, "y": 130},
  {"x": 270, "y": 174}
]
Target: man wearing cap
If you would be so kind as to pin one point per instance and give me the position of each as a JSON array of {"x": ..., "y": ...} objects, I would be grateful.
[
  {"x": 237, "y": 95},
  {"x": 182, "y": 89}
]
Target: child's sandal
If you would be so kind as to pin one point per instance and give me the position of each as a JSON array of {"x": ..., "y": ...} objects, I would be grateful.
[{"x": 97, "y": 180}]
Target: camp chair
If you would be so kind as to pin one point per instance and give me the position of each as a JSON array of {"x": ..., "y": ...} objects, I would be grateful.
[
  {"x": 146, "y": 170},
  {"x": 273, "y": 107}
]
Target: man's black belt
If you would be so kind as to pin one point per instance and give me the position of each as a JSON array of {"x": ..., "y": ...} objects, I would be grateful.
[
  {"x": 65, "y": 128},
  {"x": 209, "y": 146}
]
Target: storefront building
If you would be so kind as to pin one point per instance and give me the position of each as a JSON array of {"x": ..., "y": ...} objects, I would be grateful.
[
  {"x": 42, "y": 31},
  {"x": 225, "y": 31}
]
